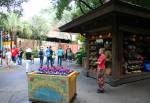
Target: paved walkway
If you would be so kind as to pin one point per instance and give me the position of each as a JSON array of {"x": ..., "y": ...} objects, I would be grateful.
[{"x": 13, "y": 88}]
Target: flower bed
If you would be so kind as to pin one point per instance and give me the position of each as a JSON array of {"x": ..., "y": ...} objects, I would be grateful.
[{"x": 55, "y": 71}]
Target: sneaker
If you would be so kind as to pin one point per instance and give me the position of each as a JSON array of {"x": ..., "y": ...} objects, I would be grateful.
[{"x": 100, "y": 91}]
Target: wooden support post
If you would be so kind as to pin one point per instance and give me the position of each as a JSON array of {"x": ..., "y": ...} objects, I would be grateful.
[{"x": 117, "y": 50}]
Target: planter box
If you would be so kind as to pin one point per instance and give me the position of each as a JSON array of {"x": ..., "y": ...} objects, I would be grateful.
[{"x": 52, "y": 88}]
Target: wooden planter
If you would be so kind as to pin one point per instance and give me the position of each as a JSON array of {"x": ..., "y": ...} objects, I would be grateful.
[{"x": 52, "y": 88}]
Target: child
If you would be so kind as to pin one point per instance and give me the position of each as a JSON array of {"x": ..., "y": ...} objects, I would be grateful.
[{"x": 8, "y": 58}]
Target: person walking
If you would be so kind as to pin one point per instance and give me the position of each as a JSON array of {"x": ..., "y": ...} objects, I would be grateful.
[
  {"x": 41, "y": 56},
  {"x": 101, "y": 70},
  {"x": 28, "y": 59},
  {"x": 20, "y": 54},
  {"x": 8, "y": 57},
  {"x": 14, "y": 52},
  {"x": 60, "y": 55}
]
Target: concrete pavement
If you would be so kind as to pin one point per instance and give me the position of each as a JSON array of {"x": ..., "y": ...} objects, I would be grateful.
[{"x": 14, "y": 88}]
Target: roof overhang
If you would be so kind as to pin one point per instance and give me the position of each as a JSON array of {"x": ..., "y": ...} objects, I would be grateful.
[{"x": 97, "y": 17}]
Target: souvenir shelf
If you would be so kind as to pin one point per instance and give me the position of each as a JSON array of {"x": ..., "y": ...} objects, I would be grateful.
[
  {"x": 133, "y": 53},
  {"x": 95, "y": 43}
]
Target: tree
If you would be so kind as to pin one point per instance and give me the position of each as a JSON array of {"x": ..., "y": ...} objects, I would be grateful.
[
  {"x": 12, "y": 25},
  {"x": 83, "y": 5},
  {"x": 39, "y": 28},
  {"x": 12, "y": 5},
  {"x": 25, "y": 31}
]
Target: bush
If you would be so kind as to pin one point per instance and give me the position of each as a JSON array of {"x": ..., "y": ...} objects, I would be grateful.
[
  {"x": 79, "y": 55},
  {"x": 35, "y": 53}
]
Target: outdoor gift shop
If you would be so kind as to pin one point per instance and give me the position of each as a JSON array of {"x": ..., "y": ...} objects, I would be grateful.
[{"x": 123, "y": 29}]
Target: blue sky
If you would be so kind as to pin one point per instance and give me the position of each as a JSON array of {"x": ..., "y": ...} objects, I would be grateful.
[{"x": 33, "y": 7}]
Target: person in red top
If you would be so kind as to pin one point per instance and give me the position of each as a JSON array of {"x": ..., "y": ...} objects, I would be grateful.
[
  {"x": 101, "y": 70},
  {"x": 14, "y": 52}
]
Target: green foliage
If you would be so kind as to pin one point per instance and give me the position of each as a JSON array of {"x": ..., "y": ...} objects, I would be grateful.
[
  {"x": 81, "y": 6},
  {"x": 2, "y": 18},
  {"x": 35, "y": 53},
  {"x": 12, "y": 5},
  {"x": 12, "y": 22},
  {"x": 39, "y": 28},
  {"x": 26, "y": 31},
  {"x": 79, "y": 55},
  {"x": 61, "y": 5}
]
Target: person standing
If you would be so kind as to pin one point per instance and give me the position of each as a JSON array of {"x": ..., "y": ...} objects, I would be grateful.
[
  {"x": 101, "y": 70},
  {"x": 49, "y": 53},
  {"x": 60, "y": 55},
  {"x": 28, "y": 59},
  {"x": 41, "y": 56},
  {"x": 68, "y": 54},
  {"x": 8, "y": 58},
  {"x": 53, "y": 57},
  {"x": 20, "y": 54}
]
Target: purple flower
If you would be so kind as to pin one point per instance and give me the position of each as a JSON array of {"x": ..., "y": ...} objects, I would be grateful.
[{"x": 55, "y": 70}]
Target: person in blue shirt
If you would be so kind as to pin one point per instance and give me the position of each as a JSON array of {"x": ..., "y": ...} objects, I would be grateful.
[
  {"x": 49, "y": 53},
  {"x": 60, "y": 55}
]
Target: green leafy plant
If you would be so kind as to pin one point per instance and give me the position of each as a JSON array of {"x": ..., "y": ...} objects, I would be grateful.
[
  {"x": 79, "y": 55},
  {"x": 35, "y": 53}
]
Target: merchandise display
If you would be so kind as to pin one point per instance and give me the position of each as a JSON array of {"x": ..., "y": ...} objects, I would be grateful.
[
  {"x": 135, "y": 52},
  {"x": 95, "y": 43}
]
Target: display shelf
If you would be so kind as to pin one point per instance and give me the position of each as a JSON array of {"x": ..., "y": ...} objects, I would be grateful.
[
  {"x": 134, "y": 58},
  {"x": 95, "y": 43}
]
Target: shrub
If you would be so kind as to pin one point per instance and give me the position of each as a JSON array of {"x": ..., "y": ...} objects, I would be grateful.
[
  {"x": 79, "y": 55},
  {"x": 35, "y": 53}
]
